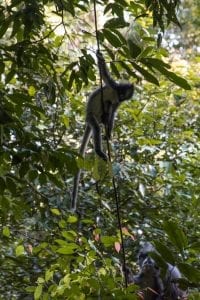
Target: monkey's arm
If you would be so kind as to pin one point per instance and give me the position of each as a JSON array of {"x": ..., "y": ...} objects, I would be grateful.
[{"x": 104, "y": 71}]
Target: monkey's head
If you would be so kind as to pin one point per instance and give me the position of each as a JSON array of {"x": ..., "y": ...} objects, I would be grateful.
[
  {"x": 143, "y": 258},
  {"x": 148, "y": 268},
  {"x": 125, "y": 91}
]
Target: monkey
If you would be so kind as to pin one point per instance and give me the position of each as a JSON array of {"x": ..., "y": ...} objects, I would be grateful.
[
  {"x": 149, "y": 279},
  {"x": 101, "y": 109}
]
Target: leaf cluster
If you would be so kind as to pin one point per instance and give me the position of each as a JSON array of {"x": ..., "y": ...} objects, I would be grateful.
[{"x": 47, "y": 67}]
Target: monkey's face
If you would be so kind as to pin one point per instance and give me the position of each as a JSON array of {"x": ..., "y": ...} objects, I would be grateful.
[
  {"x": 148, "y": 268},
  {"x": 143, "y": 256},
  {"x": 125, "y": 91}
]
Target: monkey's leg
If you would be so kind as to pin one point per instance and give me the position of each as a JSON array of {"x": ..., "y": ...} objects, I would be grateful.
[
  {"x": 85, "y": 140},
  {"x": 96, "y": 130}
]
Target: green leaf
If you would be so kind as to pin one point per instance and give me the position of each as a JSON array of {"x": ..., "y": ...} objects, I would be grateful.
[
  {"x": 48, "y": 275},
  {"x": 108, "y": 241},
  {"x": 68, "y": 249},
  {"x": 108, "y": 8},
  {"x": 32, "y": 174},
  {"x": 24, "y": 168},
  {"x": 115, "y": 23},
  {"x": 19, "y": 250},
  {"x": 159, "y": 261},
  {"x": 71, "y": 80},
  {"x": 112, "y": 38},
  {"x": 16, "y": 28},
  {"x": 69, "y": 235},
  {"x": 62, "y": 224},
  {"x": 155, "y": 62},
  {"x": 72, "y": 219},
  {"x": 115, "y": 8},
  {"x": 191, "y": 273},
  {"x": 2, "y": 185},
  {"x": 40, "y": 280},
  {"x": 55, "y": 180},
  {"x": 38, "y": 292},
  {"x": 120, "y": 35},
  {"x": 134, "y": 49},
  {"x": 55, "y": 211},
  {"x": 31, "y": 91},
  {"x": 145, "y": 52},
  {"x": 161, "y": 67},
  {"x": 165, "y": 252},
  {"x": 65, "y": 120},
  {"x": 176, "y": 235},
  {"x": 148, "y": 76},
  {"x": 10, "y": 75},
  {"x": 70, "y": 7},
  {"x": 61, "y": 242},
  {"x": 6, "y": 231},
  {"x": 11, "y": 186},
  {"x": 195, "y": 245},
  {"x": 4, "y": 26},
  {"x": 176, "y": 79}
]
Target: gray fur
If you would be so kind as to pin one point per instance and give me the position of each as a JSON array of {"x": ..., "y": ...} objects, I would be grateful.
[
  {"x": 101, "y": 108},
  {"x": 150, "y": 281}
]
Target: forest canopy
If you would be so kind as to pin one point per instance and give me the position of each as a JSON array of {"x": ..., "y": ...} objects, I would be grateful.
[{"x": 149, "y": 191}]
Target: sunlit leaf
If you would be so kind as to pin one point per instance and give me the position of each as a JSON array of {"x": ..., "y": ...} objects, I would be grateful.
[
  {"x": 161, "y": 67},
  {"x": 69, "y": 235},
  {"x": 31, "y": 91},
  {"x": 38, "y": 292},
  {"x": 108, "y": 240},
  {"x": 55, "y": 211},
  {"x": 70, "y": 248},
  {"x": 6, "y": 231},
  {"x": 72, "y": 219},
  {"x": 148, "y": 76},
  {"x": 112, "y": 38},
  {"x": 48, "y": 275},
  {"x": 19, "y": 250}
]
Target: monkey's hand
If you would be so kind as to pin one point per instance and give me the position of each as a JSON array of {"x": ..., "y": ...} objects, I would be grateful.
[{"x": 100, "y": 57}]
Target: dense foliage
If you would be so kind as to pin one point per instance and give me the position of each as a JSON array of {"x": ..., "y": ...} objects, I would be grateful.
[{"x": 47, "y": 68}]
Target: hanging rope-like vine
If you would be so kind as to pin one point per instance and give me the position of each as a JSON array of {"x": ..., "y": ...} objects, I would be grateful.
[{"x": 116, "y": 192}]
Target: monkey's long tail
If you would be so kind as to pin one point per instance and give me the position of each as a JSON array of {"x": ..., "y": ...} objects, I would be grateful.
[
  {"x": 75, "y": 190},
  {"x": 85, "y": 140}
]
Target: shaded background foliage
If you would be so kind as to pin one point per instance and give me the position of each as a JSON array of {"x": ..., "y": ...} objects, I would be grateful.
[{"x": 47, "y": 67}]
